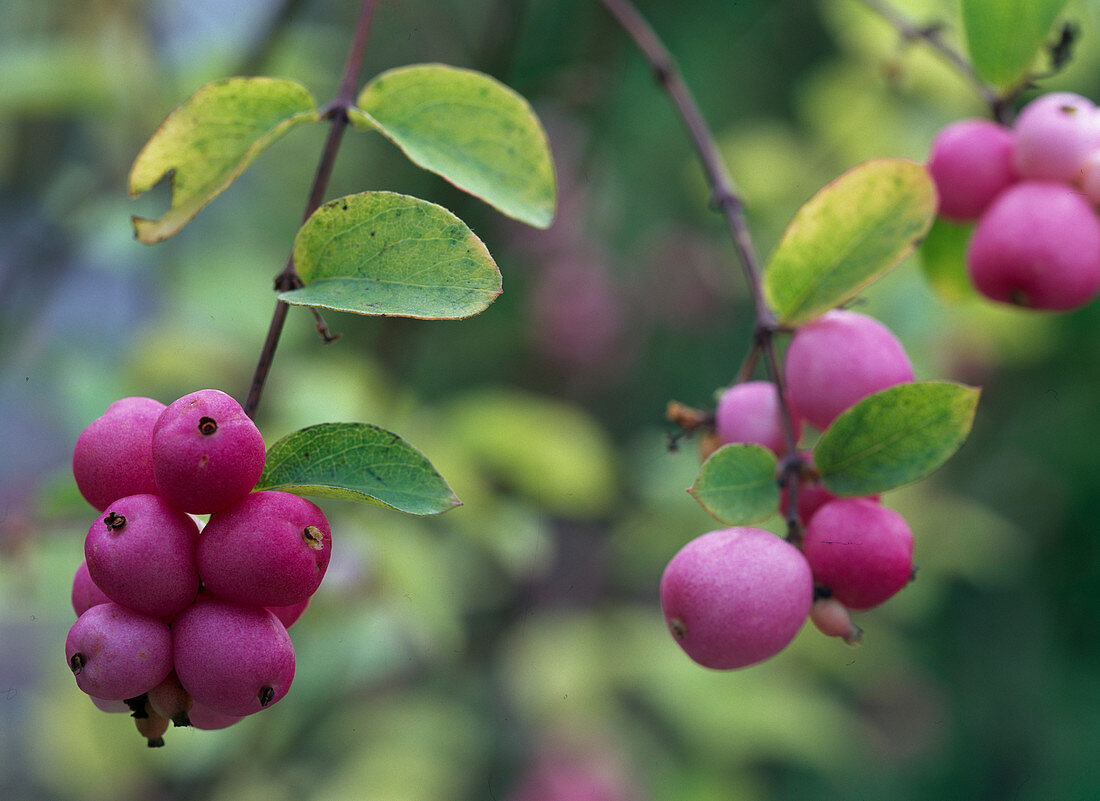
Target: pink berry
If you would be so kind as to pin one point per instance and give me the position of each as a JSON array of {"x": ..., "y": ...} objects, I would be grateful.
[
  {"x": 207, "y": 453},
  {"x": 812, "y": 494},
  {"x": 86, "y": 593},
  {"x": 232, "y": 658},
  {"x": 269, "y": 549},
  {"x": 203, "y": 717},
  {"x": 169, "y": 700},
  {"x": 1038, "y": 245},
  {"x": 971, "y": 163},
  {"x": 112, "y": 707},
  {"x": 859, "y": 550},
  {"x": 832, "y": 619},
  {"x": 736, "y": 596},
  {"x": 1090, "y": 177},
  {"x": 288, "y": 615},
  {"x": 141, "y": 553},
  {"x": 113, "y": 456},
  {"x": 837, "y": 360},
  {"x": 749, "y": 412},
  {"x": 1054, "y": 134},
  {"x": 116, "y": 653}
]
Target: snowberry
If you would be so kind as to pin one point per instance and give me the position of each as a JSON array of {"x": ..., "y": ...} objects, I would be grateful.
[
  {"x": 86, "y": 593},
  {"x": 169, "y": 700},
  {"x": 838, "y": 359},
  {"x": 203, "y": 717},
  {"x": 141, "y": 553},
  {"x": 234, "y": 659},
  {"x": 812, "y": 494},
  {"x": 749, "y": 412},
  {"x": 116, "y": 653},
  {"x": 971, "y": 163},
  {"x": 269, "y": 549},
  {"x": 288, "y": 615},
  {"x": 832, "y": 619},
  {"x": 736, "y": 596},
  {"x": 207, "y": 453},
  {"x": 113, "y": 456},
  {"x": 860, "y": 551},
  {"x": 1038, "y": 245},
  {"x": 1054, "y": 134}
]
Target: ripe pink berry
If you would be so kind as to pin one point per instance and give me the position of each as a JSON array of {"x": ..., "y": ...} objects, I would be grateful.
[
  {"x": 839, "y": 359},
  {"x": 269, "y": 549},
  {"x": 812, "y": 494},
  {"x": 1038, "y": 245},
  {"x": 203, "y": 717},
  {"x": 113, "y": 456},
  {"x": 141, "y": 553},
  {"x": 859, "y": 550},
  {"x": 971, "y": 163},
  {"x": 85, "y": 593},
  {"x": 232, "y": 658},
  {"x": 116, "y": 653},
  {"x": 207, "y": 453},
  {"x": 288, "y": 615},
  {"x": 1054, "y": 134},
  {"x": 736, "y": 596},
  {"x": 749, "y": 412}
]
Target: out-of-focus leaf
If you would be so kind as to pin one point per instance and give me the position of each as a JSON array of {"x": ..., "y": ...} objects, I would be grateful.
[
  {"x": 205, "y": 143},
  {"x": 737, "y": 485},
  {"x": 356, "y": 462},
  {"x": 943, "y": 260},
  {"x": 895, "y": 437},
  {"x": 469, "y": 128},
  {"x": 1003, "y": 37},
  {"x": 381, "y": 253},
  {"x": 851, "y": 232}
]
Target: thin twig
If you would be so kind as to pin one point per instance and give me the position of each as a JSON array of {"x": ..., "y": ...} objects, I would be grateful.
[
  {"x": 727, "y": 200},
  {"x": 288, "y": 279}
]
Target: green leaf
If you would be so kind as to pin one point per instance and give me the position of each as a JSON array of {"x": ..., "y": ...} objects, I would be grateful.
[
  {"x": 849, "y": 234},
  {"x": 469, "y": 128},
  {"x": 356, "y": 462},
  {"x": 1003, "y": 37},
  {"x": 388, "y": 254},
  {"x": 208, "y": 141},
  {"x": 895, "y": 437},
  {"x": 737, "y": 485},
  {"x": 943, "y": 260}
]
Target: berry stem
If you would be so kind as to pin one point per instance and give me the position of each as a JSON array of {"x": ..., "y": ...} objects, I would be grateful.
[
  {"x": 337, "y": 113},
  {"x": 726, "y": 199}
]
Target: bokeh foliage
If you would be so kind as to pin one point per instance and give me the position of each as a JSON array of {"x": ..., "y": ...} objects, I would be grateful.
[{"x": 459, "y": 656}]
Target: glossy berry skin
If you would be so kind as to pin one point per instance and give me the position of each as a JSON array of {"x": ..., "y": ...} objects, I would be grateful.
[
  {"x": 736, "y": 596},
  {"x": 749, "y": 413},
  {"x": 86, "y": 593},
  {"x": 141, "y": 553},
  {"x": 116, "y": 653},
  {"x": 837, "y": 360},
  {"x": 269, "y": 549},
  {"x": 860, "y": 550},
  {"x": 234, "y": 659},
  {"x": 113, "y": 456},
  {"x": 207, "y": 453},
  {"x": 1038, "y": 246},
  {"x": 1054, "y": 134},
  {"x": 971, "y": 162}
]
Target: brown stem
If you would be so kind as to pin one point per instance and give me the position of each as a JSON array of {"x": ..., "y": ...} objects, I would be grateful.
[
  {"x": 288, "y": 279},
  {"x": 931, "y": 36},
  {"x": 727, "y": 200}
]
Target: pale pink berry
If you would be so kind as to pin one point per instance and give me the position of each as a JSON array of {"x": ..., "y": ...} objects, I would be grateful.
[
  {"x": 1038, "y": 245},
  {"x": 837, "y": 360},
  {"x": 169, "y": 700},
  {"x": 85, "y": 593},
  {"x": 832, "y": 619},
  {"x": 207, "y": 453},
  {"x": 112, "y": 707},
  {"x": 971, "y": 163},
  {"x": 269, "y": 549},
  {"x": 234, "y": 659},
  {"x": 113, "y": 456},
  {"x": 860, "y": 551},
  {"x": 749, "y": 413},
  {"x": 141, "y": 553},
  {"x": 116, "y": 653},
  {"x": 1054, "y": 134},
  {"x": 736, "y": 596}
]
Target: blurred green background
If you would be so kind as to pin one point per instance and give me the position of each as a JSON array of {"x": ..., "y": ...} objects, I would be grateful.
[{"x": 514, "y": 648}]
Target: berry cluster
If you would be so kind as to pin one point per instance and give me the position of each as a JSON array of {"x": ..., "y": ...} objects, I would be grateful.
[
  {"x": 176, "y": 620},
  {"x": 736, "y": 596},
  {"x": 1033, "y": 190}
]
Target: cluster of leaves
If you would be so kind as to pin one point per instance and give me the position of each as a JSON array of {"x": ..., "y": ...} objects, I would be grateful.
[{"x": 372, "y": 253}]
